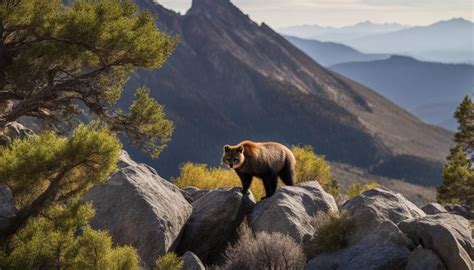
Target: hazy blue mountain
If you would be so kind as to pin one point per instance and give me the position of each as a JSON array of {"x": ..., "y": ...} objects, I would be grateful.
[
  {"x": 330, "y": 53},
  {"x": 340, "y": 34},
  {"x": 429, "y": 90},
  {"x": 440, "y": 114},
  {"x": 445, "y": 41}
]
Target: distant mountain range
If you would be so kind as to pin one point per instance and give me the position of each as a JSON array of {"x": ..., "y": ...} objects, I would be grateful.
[
  {"x": 231, "y": 79},
  {"x": 445, "y": 41},
  {"x": 340, "y": 34},
  {"x": 431, "y": 91},
  {"x": 330, "y": 53}
]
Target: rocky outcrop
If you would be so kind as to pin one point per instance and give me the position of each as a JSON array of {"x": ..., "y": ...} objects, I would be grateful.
[
  {"x": 446, "y": 234},
  {"x": 7, "y": 207},
  {"x": 423, "y": 259},
  {"x": 461, "y": 210},
  {"x": 192, "y": 194},
  {"x": 140, "y": 208},
  {"x": 125, "y": 160},
  {"x": 433, "y": 209},
  {"x": 373, "y": 207},
  {"x": 213, "y": 223},
  {"x": 384, "y": 248},
  {"x": 291, "y": 211},
  {"x": 192, "y": 262},
  {"x": 13, "y": 130},
  {"x": 16, "y": 130}
]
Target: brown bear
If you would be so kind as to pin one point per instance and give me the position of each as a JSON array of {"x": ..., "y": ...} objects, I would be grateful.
[{"x": 267, "y": 161}]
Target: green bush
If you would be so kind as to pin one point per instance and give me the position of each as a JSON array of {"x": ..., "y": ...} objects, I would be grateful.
[
  {"x": 332, "y": 232},
  {"x": 169, "y": 261},
  {"x": 200, "y": 176},
  {"x": 45, "y": 169},
  {"x": 63, "y": 239},
  {"x": 310, "y": 167},
  {"x": 356, "y": 189}
]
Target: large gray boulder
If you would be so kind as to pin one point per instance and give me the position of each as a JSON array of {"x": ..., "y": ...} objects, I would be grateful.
[
  {"x": 193, "y": 194},
  {"x": 213, "y": 223},
  {"x": 291, "y": 211},
  {"x": 141, "y": 209},
  {"x": 424, "y": 259},
  {"x": 446, "y": 234},
  {"x": 376, "y": 206},
  {"x": 433, "y": 209},
  {"x": 125, "y": 160},
  {"x": 7, "y": 207},
  {"x": 384, "y": 248},
  {"x": 461, "y": 210},
  {"x": 192, "y": 262}
]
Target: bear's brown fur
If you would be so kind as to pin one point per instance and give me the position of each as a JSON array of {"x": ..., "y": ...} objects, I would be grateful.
[{"x": 267, "y": 161}]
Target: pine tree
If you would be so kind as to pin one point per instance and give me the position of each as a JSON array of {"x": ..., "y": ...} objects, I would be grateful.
[
  {"x": 465, "y": 117},
  {"x": 458, "y": 174},
  {"x": 58, "y": 62}
]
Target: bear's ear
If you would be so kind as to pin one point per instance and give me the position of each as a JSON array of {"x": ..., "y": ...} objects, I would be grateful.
[
  {"x": 241, "y": 149},
  {"x": 226, "y": 148}
]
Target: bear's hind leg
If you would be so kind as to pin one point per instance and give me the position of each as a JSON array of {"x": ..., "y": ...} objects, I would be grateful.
[
  {"x": 287, "y": 175},
  {"x": 270, "y": 184}
]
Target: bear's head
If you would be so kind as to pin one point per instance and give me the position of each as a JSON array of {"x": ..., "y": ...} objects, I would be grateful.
[{"x": 233, "y": 156}]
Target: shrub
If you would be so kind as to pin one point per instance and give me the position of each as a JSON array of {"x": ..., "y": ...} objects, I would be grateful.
[
  {"x": 263, "y": 251},
  {"x": 62, "y": 239},
  {"x": 200, "y": 176},
  {"x": 356, "y": 189},
  {"x": 45, "y": 169},
  {"x": 332, "y": 232},
  {"x": 169, "y": 261},
  {"x": 310, "y": 166}
]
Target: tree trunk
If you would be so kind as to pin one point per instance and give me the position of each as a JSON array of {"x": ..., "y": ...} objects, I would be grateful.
[{"x": 34, "y": 209}]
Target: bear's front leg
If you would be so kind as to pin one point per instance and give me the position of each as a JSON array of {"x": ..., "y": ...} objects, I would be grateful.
[{"x": 246, "y": 181}]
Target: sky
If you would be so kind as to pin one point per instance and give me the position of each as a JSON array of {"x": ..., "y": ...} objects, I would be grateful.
[{"x": 280, "y": 13}]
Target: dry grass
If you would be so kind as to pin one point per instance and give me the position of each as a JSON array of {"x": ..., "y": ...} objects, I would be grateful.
[{"x": 263, "y": 251}]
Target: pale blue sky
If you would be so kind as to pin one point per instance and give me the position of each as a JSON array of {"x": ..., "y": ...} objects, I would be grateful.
[{"x": 279, "y": 13}]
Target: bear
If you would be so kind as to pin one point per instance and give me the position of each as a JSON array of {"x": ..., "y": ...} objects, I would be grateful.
[{"x": 265, "y": 160}]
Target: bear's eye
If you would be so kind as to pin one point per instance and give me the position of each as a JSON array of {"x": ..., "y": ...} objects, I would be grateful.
[{"x": 236, "y": 159}]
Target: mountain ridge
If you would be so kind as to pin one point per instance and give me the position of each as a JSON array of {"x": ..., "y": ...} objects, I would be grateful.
[
  {"x": 417, "y": 86},
  {"x": 330, "y": 53},
  {"x": 444, "y": 41},
  {"x": 231, "y": 79},
  {"x": 340, "y": 34}
]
